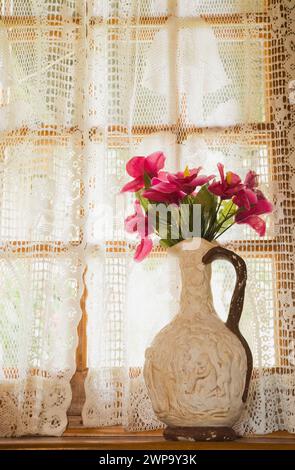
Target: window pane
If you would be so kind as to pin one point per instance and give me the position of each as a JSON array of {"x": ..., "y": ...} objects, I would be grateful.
[
  {"x": 106, "y": 176},
  {"x": 188, "y": 73},
  {"x": 258, "y": 322},
  {"x": 121, "y": 309},
  {"x": 39, "y": 304},
  {"x": 40, "y": 189},
  {"x": 242, "y": 50},
  {"x": 25, "y": 8},
  {"x": 158, "y": 8},
  {"x": 40, "y": 76},
  {"x": 211, "y": 75},
  {"x": 153, "y": 295},
  {"x": 215, "y": 7},
  {"x": 106, "y": 295}
]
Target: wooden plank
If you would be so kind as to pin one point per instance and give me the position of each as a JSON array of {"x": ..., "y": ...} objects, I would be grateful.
[
  {"x": 118, "y": 439},
  {"x": 78, "y": 379},
  {"x": 249, "y": 248},
  {"x": 211, "y": 19},
  {"x": 258, "y": 131},
  {"x": 33, "y": 248},
  {"x": 9, "y": 20},
  {"x": 146, "y": 129}
]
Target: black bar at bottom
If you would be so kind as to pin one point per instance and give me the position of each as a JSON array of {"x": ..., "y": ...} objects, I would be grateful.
[{"x": 96, "y": 459}]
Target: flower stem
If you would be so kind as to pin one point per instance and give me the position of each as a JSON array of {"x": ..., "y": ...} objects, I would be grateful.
[
  {"x": 221, "y": 233},
  {"x": 225, "y": 219},
  {"x": 208, "y": 232}
]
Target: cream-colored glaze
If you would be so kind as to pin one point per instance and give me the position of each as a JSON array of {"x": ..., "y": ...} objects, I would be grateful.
[{"x": 195, "y": 368}]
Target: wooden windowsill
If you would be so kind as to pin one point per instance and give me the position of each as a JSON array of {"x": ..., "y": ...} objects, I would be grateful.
[{"x": 116, "y": 438}]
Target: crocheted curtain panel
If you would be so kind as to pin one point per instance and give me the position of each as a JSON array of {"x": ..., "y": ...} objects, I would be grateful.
[{"x": 85, "y": 85}]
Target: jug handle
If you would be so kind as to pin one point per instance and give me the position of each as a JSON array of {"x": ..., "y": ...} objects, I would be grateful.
[{"x": 237, "y": 301}]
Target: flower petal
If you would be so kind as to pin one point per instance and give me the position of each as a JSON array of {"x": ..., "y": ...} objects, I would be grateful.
[
  {"x": 220, "y": 167},
  {"x": 232, "y": 179},
  {"x": 245, "y": 198},
  {"x": 163, "y": 186},
  {"x": 143, "y": 249},
  {"x": 144, "y": 228},
  {"x": 156, "y": 196},
  {"x": 192, "y": 173},
  {"x": 131, "y": 223},
  {"x": 134, "y": 185},
  {"x": 256, "y": 223},
  {"x": 138, "y": 209},
  {"x": 200, "y": 180},
  {"x": 263, "y": 206},
  {"x": 154, "y": 163},
  {"x": 135, "y": 167},
  {"x": 163, "y": 175},
  {"x": 252, "y": 198},
  {"x": 251, "y": 179},
  {"x": 216, "y": 188},
  {"x": 167, "y": 198},
  {"x": 231, "y": 191}
]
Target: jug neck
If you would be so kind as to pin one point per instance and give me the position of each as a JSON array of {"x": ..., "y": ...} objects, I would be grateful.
[{"x": 196, "y": 295}]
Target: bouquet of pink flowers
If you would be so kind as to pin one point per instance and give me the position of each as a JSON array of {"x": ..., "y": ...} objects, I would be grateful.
[{"x": 223, "y": 202}]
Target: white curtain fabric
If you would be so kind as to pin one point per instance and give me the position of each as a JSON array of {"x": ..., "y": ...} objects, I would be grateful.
[
  {"x": 85, "y": 85},
  {"x": 42, "y": 96}
]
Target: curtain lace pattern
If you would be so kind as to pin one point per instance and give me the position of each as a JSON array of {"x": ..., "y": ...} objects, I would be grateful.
[
  {"x": 42, "y": 63},
  {"x": 85, "y": 85}
]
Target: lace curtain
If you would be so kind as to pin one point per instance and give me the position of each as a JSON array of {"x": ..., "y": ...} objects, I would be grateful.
[
  {"x": 42, "y": 72},
  {"x": 84, "y": 85}
]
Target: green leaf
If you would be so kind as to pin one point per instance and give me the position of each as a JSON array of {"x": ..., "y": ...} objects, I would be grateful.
[
  {"x": 167, "y": 224},
  {"x": 225, "y": 224},
  {"x": 224, "y": 219},
  {"x": 208, "y": 202},
  {"x": 207, "y": 199},
  {"x": 166, "y": 243},
  {"x": 147, "y": 180},
  {"x": 227, "y": 210},
  {"x": 143, "y": 201}
]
